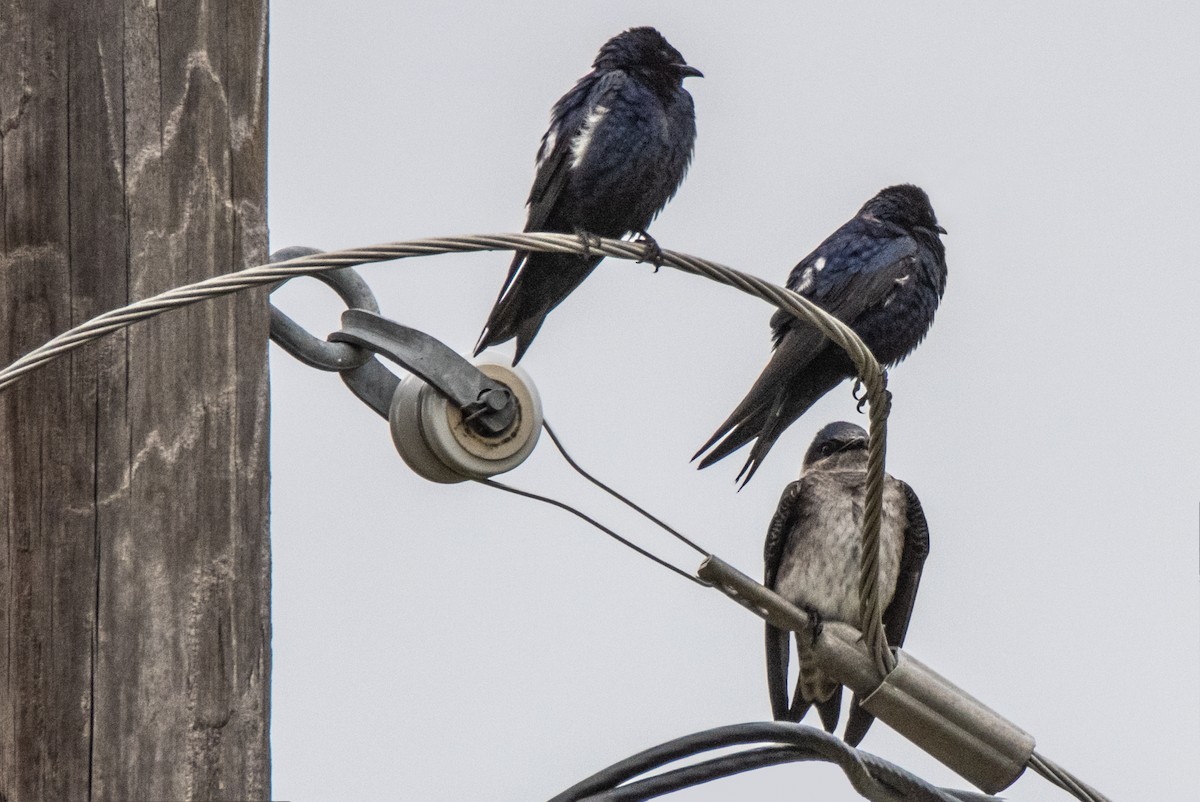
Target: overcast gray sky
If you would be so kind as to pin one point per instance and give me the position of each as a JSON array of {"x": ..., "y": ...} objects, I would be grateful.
[{"x": 437, "y": 642}]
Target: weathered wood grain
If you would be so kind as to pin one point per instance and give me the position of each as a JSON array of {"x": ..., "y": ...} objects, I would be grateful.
[{"x": 134, "y": 552}]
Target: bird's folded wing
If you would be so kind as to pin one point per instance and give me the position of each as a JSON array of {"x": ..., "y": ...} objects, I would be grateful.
[
  {"x": 852, "y": 279},
  {"x": 778, "y": 641},
  {"x": 557, "y": 152}
]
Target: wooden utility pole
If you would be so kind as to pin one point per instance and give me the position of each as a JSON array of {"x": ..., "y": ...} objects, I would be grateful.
[{"x": 134, "y": 553}]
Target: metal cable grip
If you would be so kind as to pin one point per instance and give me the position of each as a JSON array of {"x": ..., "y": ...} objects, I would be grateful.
[{"x": 962, "y": 732}]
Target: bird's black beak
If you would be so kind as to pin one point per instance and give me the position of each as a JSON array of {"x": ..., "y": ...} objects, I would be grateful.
[
  {"x": 858, "y": 442},
  {"x": 940, "y": 230},
  {"x": 687, "y": 71}
]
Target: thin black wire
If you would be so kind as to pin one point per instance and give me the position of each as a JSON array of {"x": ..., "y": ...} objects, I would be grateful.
[
  {"x": 579, "y": 470},
  {"x": 1059, "y": 776},
  {"x": 688, "y": 776},
  {"x": 870, "y": 775},
  {"x": 623, "y": 541},
  {"x": 752, "y": 760}
]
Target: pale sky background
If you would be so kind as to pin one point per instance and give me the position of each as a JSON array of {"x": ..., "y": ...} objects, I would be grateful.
[{"x": 452, "y": 642}]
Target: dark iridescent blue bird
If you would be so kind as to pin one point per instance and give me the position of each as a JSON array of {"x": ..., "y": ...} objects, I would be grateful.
[
  {"x": 618, "y": 146},
  {"x": 883, "y": 274},
  {"x": 812, "y": 557}
]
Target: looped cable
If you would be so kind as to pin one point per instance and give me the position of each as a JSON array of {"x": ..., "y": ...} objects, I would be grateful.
[
  {"x": 295, "y": 339},
  {"x": 871, "y": 776},
  {"x": 869, "y": 370}
]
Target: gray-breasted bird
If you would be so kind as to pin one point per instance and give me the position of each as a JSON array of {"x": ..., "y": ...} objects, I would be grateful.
[
  {"x": 618, "y": 146},
  {"x": 812, "y": 554},
  {"x": 883, "y": 274}
]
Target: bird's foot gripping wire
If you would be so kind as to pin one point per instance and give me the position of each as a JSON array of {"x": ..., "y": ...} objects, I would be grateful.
[
  {"x": 588, "y": 241},
  {"x": 653, "y": 254},
  {"x": 862, "y": 401},
  {"x": 814, "y": 615}
]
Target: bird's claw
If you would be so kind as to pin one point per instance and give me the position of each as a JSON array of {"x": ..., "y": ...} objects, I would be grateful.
[
  {"x": 653, "y": 253},
  {"x": 854, "y": 393},
  {"x": 587, "y": 241},
  {"x": 862, "y": 402}
]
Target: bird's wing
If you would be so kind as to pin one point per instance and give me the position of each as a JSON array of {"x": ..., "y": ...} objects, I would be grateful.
[
  {"x": 912, "y": 563},
  {"x": 856, "y": 269},
  {"x": 780, "y": 528},
  {"x": 794, "y": 349},
  {"x": 557, "y": 152},
  {"x": 802, "y": 369},
  {"x": 778, "y": 641},
  {"x": 899, "y": 611},
  {"x": 551, "y": 175}
]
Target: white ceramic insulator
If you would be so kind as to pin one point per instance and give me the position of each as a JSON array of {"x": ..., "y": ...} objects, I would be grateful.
[{"x": 432, "y": 438}]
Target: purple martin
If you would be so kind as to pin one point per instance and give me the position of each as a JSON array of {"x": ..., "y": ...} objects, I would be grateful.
[
  {"x": 883, "y": 274},
  {"x": 812, "y": 557},
  {"x": 618, "y": 146}
]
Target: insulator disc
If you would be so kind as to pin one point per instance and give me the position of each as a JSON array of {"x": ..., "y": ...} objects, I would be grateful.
[{"x": 435, "y": 441}]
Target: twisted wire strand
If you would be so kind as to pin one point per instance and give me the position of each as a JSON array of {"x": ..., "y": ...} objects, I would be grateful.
[
  {"x": 626, "y": 501},
  {"x": 1059, "y": 776},
  {"x": 871, "y": 623},
  {"x": 869, "y": 371}
]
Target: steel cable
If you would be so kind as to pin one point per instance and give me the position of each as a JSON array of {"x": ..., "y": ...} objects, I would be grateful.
[{"x": 869, "y": 371}]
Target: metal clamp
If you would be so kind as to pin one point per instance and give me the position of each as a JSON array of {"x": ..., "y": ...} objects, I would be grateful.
[
  {"x": 451, "y": 420},
  {"x": 950, "y": 724},
  {"x": 487, "y": 405},
  {"x": 941, "y": 718}
]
